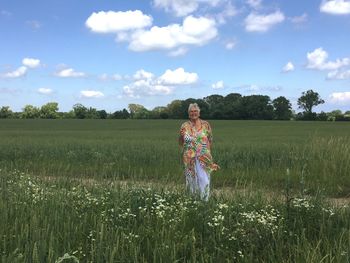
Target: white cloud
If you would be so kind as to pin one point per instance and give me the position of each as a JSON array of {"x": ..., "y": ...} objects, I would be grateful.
[
  {"x": 20, "y": 72},
  {"x": 117, "y": 77},
  {"x": 145, "y": 88},
  {"x": 288, "y": 67},
  {"x": 183, "y": 7},
  {"x": 91, "y": 94},
  {"x": 193, "y": 31},
  {"x": 299, "y": 19},
  {"x": 178, "y": 77},
  {"x": 31, "y": 62},
  {"x": 147, "y": 84},
  {"x": 112, "y": 22},
  {"x": 229, "y": 11},
  {"x": 262, "y": 23},
  {"x": 335, "y": 7},
  {"x": 106, "y": 77},
  {"x": 70, "y": 73},
  {"x": 178, "y": 52},
  {"x": 218, "y": 85},
  {"x": 336, "y": 74},
  {"x": 143, "y": 75},
  {"x": 230, "y": 45},
  {"x": 317, "y": 59},
  {"x": 254, "y": 3},
  {"x": 340, "y": 97},
  {"x": 45, "y": 91}
]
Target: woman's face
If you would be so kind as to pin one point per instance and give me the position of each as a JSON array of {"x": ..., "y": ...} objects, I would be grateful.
[{"x": 193, "y": 113}]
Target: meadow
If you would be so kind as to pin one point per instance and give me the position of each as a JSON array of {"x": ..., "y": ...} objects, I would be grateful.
[{"x": 113, "y": 191}]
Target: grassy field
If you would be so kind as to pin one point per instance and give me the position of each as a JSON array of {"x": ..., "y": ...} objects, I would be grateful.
[
  {"x": 254, "y": 153},
  {"x": 112, "y": 191}
]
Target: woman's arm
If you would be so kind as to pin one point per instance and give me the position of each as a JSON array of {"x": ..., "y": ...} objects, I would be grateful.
[{"x": 181, "y": 136}]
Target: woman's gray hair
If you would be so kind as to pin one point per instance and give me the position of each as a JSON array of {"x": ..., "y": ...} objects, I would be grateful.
[{"x": 193, "y": 105}]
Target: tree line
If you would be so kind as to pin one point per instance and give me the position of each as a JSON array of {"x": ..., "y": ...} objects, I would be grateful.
[{"x": 233, "y": 106}]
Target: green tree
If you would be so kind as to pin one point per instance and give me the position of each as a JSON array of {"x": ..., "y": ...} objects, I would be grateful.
[
  {"x": 30, "y": 112},
  {"x": 121, "y": 114},
  {"x": 5, "y": 112},
  {"x": 49, "y": 110},
  {"x": 232, "y": 106},
  {"x": 282, "y": 108},
  {"x": 92, "y": 113},
  {"x": 80, "y": 111},
  {"x": 175, "y": 109},
  {"x": 216, "y": 106},
  {"x": 308, "y": 100},
  {"x": 256, "y": 107},
  {"x": 138, "y": 111},
  {"x": 102, "y": 114},
  {"x": 159, "y": 112}
]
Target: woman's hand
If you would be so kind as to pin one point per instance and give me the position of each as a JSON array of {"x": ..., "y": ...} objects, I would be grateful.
[
  {"x": 182, "y": 132},
  {"x": 216, "y": 167}
]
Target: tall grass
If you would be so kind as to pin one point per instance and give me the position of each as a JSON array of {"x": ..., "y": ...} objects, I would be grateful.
[
  {"x": 64, "y": 221},
  {"x": 254, "y": 153}
]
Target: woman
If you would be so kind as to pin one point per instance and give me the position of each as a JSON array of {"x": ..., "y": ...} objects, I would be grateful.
[{"x": 196, "y": 139}]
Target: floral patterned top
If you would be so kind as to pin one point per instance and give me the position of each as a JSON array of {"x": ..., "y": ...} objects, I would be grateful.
[{"x": 196, "y": 144}]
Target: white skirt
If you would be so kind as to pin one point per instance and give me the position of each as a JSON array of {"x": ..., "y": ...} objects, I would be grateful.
[{"x": 199, "y": 184}]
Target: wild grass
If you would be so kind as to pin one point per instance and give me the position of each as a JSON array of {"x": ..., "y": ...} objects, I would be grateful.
[
  {"x": 254, "y": 153},
  {"x": 112, "y": 191},
  {"x": 63, "y": 220}
]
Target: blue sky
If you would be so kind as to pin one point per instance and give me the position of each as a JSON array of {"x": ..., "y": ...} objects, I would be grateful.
[{"x": 107, "y": 54}]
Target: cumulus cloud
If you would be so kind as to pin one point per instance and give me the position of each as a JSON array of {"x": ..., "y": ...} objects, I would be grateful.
[
  {"x": 31, "y": 62},
  {"x": 288, "y": 67},
  {"x": 113, "y": 22},
  {"x": 262, "y": 23},
  {"x": 336, "y": 74},
  {"x": 254, "y": 3},
  {"x": 335, "y": 7},
  {"x": 45, "y": 91},
  {"x": 145, "y": 88},
  {"x": 135, "y": 28},
  {"x": 19, "y": 72},
  {"x": 218, "y": 85},
  {"x": 193, "y": 31},
  {"x": 340, "y": 97},
  {"x": 143, "y": 75},
  {"x": 69, "y": 73},
  {"x": 91, "y": 94},
  {"x": 229, "y": 11},
  {"x": 317, "y": 59},
  {"x": 178, "y": 77},
  {"x": 147, "y": 84},
  {"x": 183, "y": 7}
]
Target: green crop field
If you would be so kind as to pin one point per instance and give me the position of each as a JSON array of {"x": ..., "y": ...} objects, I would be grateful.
[
  {"x": 255, "y": 153},
  {"x": 113, "y": 191}
]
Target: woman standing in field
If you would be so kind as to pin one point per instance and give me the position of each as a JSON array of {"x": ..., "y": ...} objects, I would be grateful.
[{"x": 196, "y": 139}]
